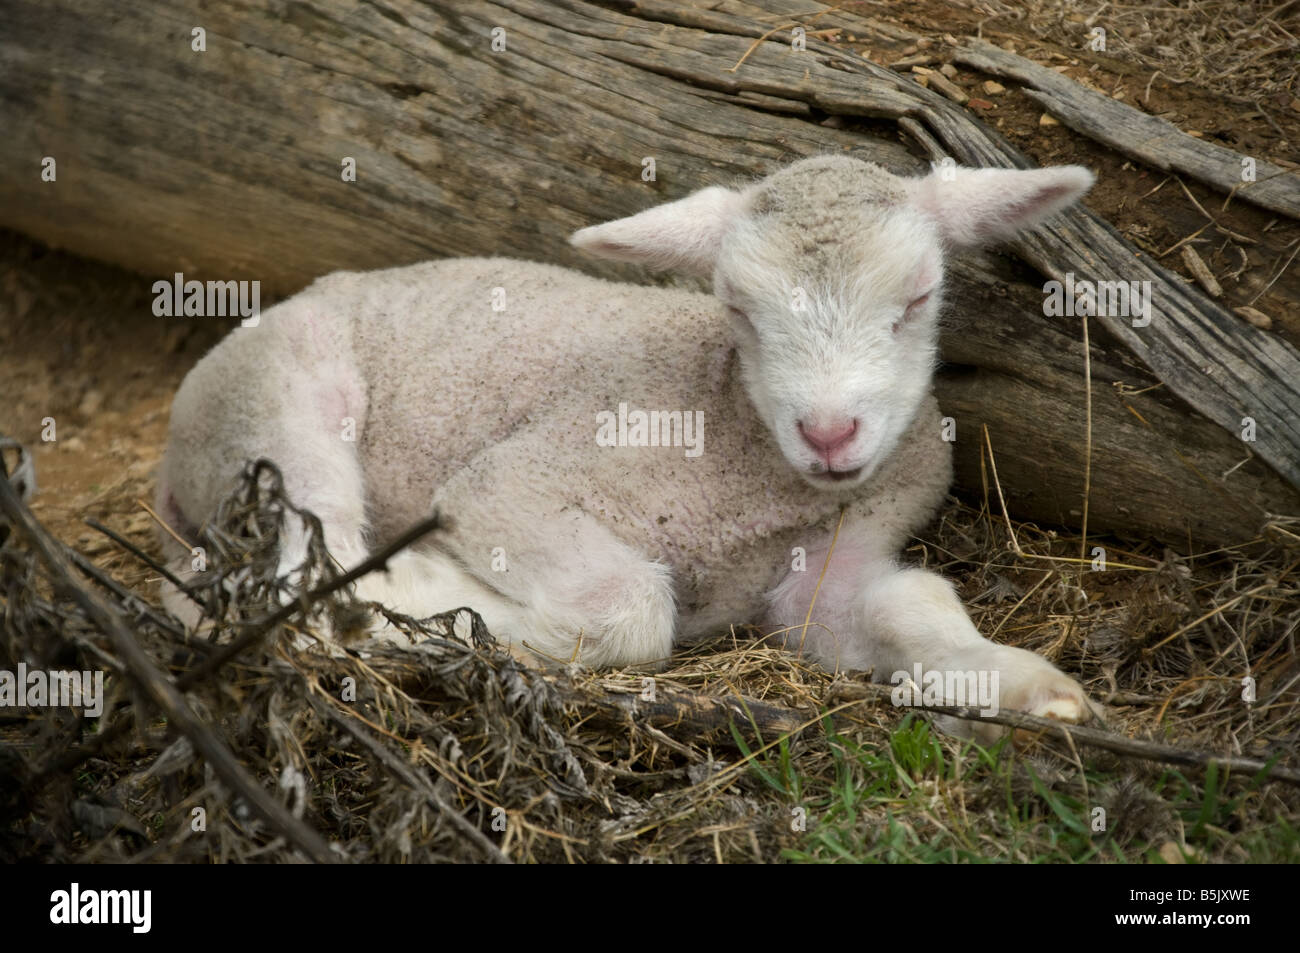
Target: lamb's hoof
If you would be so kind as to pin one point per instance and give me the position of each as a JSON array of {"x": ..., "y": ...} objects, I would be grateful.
[
  {"x": 1032, "y": 685},
  {"x": 1056, "y": 697}
]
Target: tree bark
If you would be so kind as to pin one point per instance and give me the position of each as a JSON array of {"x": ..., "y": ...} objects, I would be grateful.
[{"x": 226, "y": 163}]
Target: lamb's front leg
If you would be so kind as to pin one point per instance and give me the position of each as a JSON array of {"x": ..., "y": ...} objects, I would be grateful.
[
  {"x": 914, "y": 618},
  {"x": 869, "y": 614}
]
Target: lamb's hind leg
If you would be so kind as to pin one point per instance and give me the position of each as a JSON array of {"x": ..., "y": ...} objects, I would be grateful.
[
  {"x": 308, "y": 420},
  {"x": 585, "y": 595},
  {"x": 417, "y": 582}
]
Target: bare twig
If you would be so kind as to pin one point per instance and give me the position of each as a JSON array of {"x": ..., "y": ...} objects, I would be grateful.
[
  {"x": 350, "y": 723},
  {"x": 261, "y": 627},
  {"x": 158, "y": 687},
  {"x": 1093, "y": 737}
]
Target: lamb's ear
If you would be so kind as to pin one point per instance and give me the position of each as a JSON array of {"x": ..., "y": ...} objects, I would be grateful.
[
  {"x": 682, "y": 236},
  {"x": 974, "y": 206}
]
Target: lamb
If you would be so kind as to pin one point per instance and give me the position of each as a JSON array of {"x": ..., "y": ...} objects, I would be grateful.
[{"x": 515, "y": 398}]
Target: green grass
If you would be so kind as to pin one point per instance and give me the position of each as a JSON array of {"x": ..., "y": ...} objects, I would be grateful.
[{"x": 922, "y": 798}]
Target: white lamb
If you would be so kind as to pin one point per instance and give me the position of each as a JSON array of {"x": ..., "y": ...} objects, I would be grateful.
[{"x": 800, "y": 388}]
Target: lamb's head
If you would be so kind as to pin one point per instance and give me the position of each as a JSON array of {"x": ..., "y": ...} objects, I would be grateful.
[{"x": 831, "y": 271}]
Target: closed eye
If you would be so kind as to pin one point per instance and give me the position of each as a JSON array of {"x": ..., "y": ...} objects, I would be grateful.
[
  {"x": 741, "y": 317},
  {"x": 912, "y": 310}
]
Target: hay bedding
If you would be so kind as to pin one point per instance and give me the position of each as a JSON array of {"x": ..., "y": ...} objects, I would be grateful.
[
  {"x": 450, "y": 750},
  {"x": 454, "y": 750}
]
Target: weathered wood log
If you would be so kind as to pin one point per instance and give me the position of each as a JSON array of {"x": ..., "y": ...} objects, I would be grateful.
[
  {"x": 1144, "y": 137},
  {"x": 227, "y": 164}
]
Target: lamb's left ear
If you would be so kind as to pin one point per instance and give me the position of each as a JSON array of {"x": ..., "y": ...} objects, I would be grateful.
[
  {"x": 974, "y": 206},
  {"x": 682, "y": 236}
]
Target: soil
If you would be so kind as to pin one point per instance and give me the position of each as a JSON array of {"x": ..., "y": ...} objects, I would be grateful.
[{"x": 84, "y": 360}]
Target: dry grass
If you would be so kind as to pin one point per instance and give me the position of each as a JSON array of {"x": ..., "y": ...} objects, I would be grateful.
[
  {"x": 454, "y": 750},
  {"x": 1244, "y": 50}
]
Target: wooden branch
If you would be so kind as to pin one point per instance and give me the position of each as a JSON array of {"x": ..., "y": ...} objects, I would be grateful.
[
  {"x": 415, "y": 780},
  {"x": 158, "y": 687},
  {"x": 1093, "y": 737},
  {"x": 219, "y": 655},
  {"x": 258, "y": 629},
  {"x": 144, "y": 558},
  {"x": 1138, "y": 135}
]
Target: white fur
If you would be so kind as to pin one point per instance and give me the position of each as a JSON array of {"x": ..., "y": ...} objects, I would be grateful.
[{"x": 828, "y": 282}]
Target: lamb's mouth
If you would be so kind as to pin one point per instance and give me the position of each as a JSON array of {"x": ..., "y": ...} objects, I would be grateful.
[{"x": 837, "y": 475}]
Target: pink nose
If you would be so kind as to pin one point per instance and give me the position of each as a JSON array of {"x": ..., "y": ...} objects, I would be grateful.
[{"x": 828, "y": 438}]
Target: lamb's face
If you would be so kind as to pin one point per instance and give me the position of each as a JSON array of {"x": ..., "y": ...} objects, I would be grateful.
[
  {"x": 834, "y": 311},
  {"x": 830, "y": 269}
]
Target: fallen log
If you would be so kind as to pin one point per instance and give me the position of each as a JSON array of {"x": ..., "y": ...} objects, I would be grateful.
[
  {"x": 501, "y": 127},
  {"x": 1149, "y": 139}
]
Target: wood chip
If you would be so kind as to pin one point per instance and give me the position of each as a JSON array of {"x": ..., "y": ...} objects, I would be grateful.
[
  {"x": 1046, "y": 120},
  {"x": 1170, "y": 853},
  {"x": 980, "y": 104},
  {"x": 947, "y": 69},
  {"x": 993, "y": 88},
  {"x": 1257, "y": 318},
  {"x": 907, "y": 62},
  {"x": 1201, "y": 272},
  {"x": 950, "y": 89}
]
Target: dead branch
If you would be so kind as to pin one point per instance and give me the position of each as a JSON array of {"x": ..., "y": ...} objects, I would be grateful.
[
  {"x": 1094, "y": 737},
  {"x": 157, "y": 686},
  {"x": 1141, "y": 136}
]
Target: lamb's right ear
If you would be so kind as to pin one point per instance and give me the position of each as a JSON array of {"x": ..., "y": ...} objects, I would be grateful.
[
  {"x": 681, "y": 236},
  {"x": 974, "y": 206}
]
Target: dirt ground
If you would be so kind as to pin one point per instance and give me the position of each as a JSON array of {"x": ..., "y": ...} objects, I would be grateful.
[{"x": 80, "y": 346}]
